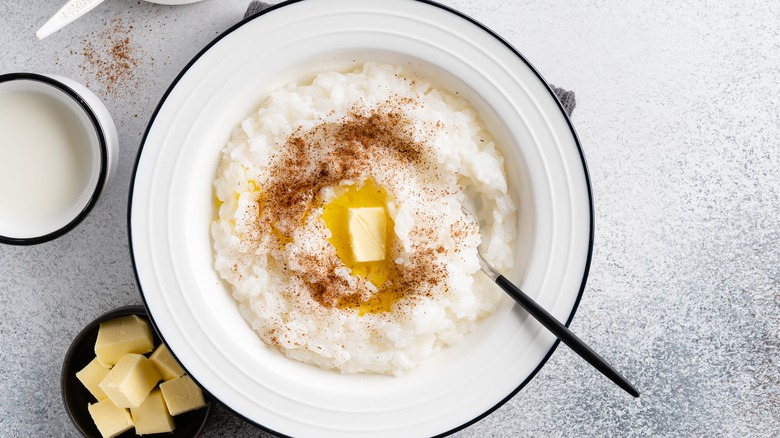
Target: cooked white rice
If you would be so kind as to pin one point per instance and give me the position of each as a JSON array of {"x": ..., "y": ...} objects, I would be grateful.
[{"x": 273, "y": 278}]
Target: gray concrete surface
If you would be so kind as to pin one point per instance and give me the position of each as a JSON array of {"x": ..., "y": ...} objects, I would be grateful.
[{"x": 678, "y": 110}]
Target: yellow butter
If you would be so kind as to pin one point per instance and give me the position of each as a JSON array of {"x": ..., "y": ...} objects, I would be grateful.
[
  {"x": 165, "y": 363},
  {"x": 152, "y": 416},
  {"x": 120, "y": 336},
  {"x": 130, "y": 381},
  {"x": 91, "y": 375},
  {"x": 109, "y": 419},
  {"x": 367, "y": 231},
  {"x": 182, "y": 395}
]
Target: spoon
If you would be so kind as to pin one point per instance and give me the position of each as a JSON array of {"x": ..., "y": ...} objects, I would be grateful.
[
  {"x": 72, "y": 10},
  {"x": 552, "y": 324}
]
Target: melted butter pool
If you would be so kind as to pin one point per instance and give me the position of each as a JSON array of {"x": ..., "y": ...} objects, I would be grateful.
[{"x": 379, "y": 273}]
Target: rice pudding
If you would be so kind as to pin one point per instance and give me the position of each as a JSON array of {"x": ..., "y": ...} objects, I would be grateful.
[{"x": 339, "y": 227}]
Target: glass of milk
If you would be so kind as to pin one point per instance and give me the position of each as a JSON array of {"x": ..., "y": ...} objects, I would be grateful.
[{"x": 58, "y": 149}]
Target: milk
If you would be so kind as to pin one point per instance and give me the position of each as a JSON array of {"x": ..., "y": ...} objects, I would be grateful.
[{"x": 46, "y": 162}]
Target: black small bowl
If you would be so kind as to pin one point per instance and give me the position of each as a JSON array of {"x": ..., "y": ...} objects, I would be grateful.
[{"x": 76, "y": 397}]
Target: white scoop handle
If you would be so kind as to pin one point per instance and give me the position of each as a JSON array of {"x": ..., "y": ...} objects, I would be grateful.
[{"x": 72, "y": 10}]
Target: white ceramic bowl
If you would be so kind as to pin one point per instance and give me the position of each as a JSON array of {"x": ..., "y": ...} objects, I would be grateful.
[
  {"x": 174, "y": 2},
  {"x": 103, "y": 148},
  {"x": 172, "y": 206}
]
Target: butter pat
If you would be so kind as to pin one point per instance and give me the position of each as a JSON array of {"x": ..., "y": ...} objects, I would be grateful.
[
  {"x": 367, "y": 228},
  {"x": 91, "y": 375},
  {"x": 165, "y": 363},
  {"x": 130, "y": 381},
  {"x": 109, "y": 419},
  {"x": 120, "y": 336},
  {"x": 152, "y": 416},
  {"x": 182, "y": 395}
]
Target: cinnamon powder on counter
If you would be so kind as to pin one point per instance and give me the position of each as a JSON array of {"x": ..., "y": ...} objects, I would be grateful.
[{"x": 111, "y": 60}]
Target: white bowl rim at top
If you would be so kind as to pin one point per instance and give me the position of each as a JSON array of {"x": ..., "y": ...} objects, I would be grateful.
[{"x": 72, "y": 10}]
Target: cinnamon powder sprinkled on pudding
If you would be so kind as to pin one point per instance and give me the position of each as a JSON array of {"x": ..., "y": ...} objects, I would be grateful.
[
  {"x": 375, "y": 137},
  {"x": 352, "y": 147}
]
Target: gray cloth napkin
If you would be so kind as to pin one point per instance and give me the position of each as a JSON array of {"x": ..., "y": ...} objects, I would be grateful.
[
  {"x": 255, "y": 7},
  {"x": 566, "y": 97}
]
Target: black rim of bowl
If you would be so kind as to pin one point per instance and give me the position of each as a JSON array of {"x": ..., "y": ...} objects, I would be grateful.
[
  {"x": 74, "y": 393},
  {"x": 103, "y": 159},
  {"x": 517, "y": 53}
]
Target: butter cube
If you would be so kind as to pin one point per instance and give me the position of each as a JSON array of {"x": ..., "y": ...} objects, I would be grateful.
[
  {"x": 367, "y": 228},
  {"x": 130, "y": 381},
  {"x": 165, "y": 363},
  {"x": 182, "y": 395},
  {"x": 109, "y": 419},
  {"x": 152, "y": 416},
  {"x": 119, "y": 336},
  {"x": 91, "y": 375}
]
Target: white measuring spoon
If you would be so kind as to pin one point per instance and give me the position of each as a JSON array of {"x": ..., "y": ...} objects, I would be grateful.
[{"x": 74, "y": 9}]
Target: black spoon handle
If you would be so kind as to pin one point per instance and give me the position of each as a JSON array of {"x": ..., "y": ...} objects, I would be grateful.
[{"x": 565, "y": 335}]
